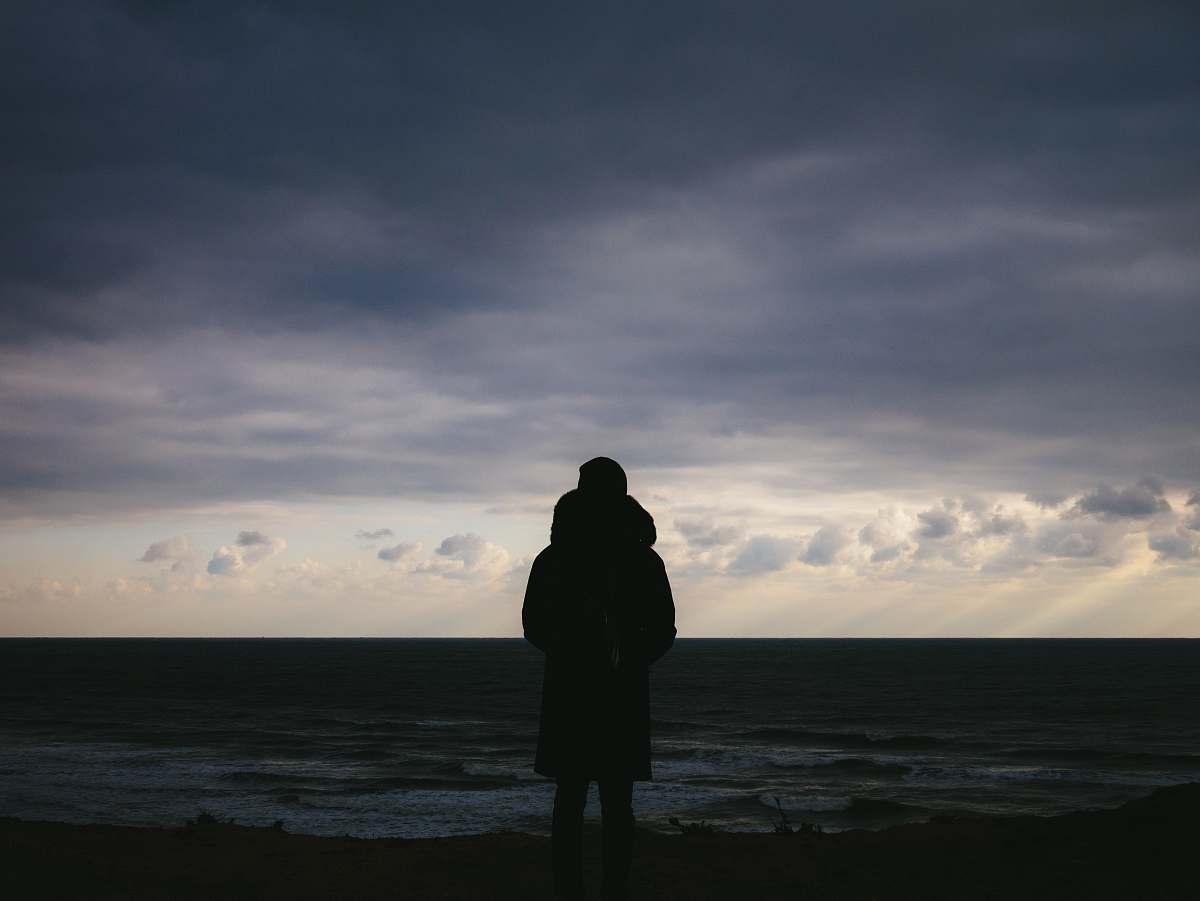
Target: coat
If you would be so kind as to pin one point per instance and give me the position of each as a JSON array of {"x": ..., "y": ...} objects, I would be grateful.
[{"x": 601, "y": 619}]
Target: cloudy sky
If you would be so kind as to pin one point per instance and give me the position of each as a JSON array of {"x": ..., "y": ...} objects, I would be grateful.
[{"x": 889, "y": 310}]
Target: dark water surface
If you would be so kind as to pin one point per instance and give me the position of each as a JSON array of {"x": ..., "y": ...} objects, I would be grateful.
[{"x": 419, "y": 737}]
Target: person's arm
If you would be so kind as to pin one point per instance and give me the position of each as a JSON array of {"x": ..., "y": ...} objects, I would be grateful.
[
  {"x": 535, "y": 612},
  {"x": 660, "y": 618}
]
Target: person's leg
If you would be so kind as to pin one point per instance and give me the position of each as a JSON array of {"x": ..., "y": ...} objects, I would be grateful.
[
  {"x": 566, "y": 839},
  {"x": 616, "y": 807}
]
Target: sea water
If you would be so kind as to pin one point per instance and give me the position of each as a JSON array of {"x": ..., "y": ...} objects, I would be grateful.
[{"x": 425, "y": 737}]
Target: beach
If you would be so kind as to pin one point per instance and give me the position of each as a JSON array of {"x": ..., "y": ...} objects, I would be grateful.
[{"x": 1141, "y": 850}]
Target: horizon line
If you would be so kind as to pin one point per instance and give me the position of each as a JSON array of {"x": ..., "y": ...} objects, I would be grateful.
[{"x": 521, "y": 638}]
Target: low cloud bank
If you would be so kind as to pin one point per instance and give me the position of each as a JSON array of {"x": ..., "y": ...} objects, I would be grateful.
[{"x": 1095, "y": 528}]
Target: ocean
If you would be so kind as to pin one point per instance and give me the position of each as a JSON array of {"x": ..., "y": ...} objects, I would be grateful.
[{"x": 428, "y": 737}]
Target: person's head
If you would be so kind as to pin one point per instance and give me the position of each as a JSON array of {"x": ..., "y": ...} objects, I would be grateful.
[
  {"x": 570, "y": 524},
  {"x": 590, "y": 521},
  {"x": 603, "y": 477}
]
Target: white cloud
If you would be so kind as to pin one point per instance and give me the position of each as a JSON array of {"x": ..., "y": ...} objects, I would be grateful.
[
  {"x": 997, "y": 522},
  {"x": 1075, "y": 539},
  {"x": 468, "y": 555},
  {"x": 399, "y": 552},
  {"x": 823, "y": 547},
  {"x": 249, "y": 549},
  {"x": 469, "y": 548},
  {"x": 226, "y": 561},
  {"x": 47, "y": 589},
  {"x": 887, "y": 535}
]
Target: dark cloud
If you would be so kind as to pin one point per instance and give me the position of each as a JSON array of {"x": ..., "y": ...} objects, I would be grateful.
[
  {"x": 251, "y": 539},
  {"x": 702, "y": 534},
  {"x": 250, "y": 227},
  {"x": 374, "y": 534},
  {"x": 1152, "y": 484},
  {"x": 1177, "y": 545},
  {"x": 1138, "y": 502},
  {"x": 937, "y": 524},
  {"x": 176, "y": 548},
  {"x": 1193, "y": 519},
  {"x": 1048, "y": 500},
  {"x": 1000, "y": 523},
  {"x": 889, "y": 553}
]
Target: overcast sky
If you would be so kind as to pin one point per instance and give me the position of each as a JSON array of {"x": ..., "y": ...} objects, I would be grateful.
[{"x": 889, "y": 310}]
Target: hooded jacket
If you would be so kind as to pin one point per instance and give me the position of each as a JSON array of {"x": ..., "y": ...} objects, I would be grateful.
[{"x": 598, "y": 605}]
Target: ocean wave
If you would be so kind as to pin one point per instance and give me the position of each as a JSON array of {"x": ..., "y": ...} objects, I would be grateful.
[
  {"x": 847, "y": 765},
  {"x": 333, "y": 724},
  {"x": 369, "y": 754},
  {"x": 715, "y": 761},
  {"x": 451, "y": 775},
  {"x": 675, "y": 727},
  {"x": 518, "y": 773},
  {"x": 377, "y": 727},
  {"x": 785, "y": 735},
  {"x": 260, "y": 777},
  {"x": 472, "y": 773},
  {"x": 675, "y": 753},
  {"x": 1138, "y": 759},
  {"x": 507, "y": 752},
  {"x": 467, "y": 782}
]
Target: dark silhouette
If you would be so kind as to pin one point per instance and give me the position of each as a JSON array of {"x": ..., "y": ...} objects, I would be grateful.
[{"x": 599, "y": 605}]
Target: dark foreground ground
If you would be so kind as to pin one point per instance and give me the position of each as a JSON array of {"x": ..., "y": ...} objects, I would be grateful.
[{"x": 1144, "y": 850}]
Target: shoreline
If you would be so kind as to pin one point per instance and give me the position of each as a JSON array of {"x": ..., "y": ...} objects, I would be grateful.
[{"x": 1141, "y": 850}]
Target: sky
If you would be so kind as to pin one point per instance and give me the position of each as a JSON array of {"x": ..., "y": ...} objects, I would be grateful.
[{"x": 311, "y": 311}]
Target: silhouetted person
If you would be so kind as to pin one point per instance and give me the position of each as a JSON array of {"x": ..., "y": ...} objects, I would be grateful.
[{"x": 599, "y": 605}]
